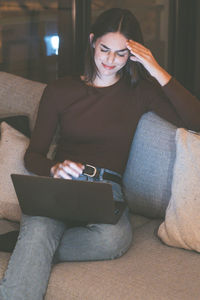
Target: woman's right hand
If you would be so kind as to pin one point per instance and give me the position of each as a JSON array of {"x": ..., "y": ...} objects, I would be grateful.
[{"x": 67, "y": 169}]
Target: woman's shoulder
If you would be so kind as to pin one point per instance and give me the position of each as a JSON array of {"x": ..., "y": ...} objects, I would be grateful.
[{"x": 63, "y": 90}]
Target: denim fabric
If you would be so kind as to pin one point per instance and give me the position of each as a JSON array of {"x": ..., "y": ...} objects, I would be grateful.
[{"x": 43, "y": 241}]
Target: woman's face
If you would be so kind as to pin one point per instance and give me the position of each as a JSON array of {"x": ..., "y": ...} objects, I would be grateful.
[{"x": 110, "y": 54}]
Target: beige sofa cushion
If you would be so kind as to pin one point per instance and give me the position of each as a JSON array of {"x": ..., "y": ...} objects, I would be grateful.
[
  {"x": 148, "y": 271},
  {"x": 20, "y": 96},
  {"x": 182, "y": 221},
  {"x": 13, "y": 145}
]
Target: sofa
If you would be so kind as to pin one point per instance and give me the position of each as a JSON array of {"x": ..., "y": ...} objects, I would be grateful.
[{"x": 150, "y": 269}]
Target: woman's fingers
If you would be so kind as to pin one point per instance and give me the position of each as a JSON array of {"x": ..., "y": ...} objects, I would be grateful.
[
  {"x": 61, "y": 174},
  {"x": 138, "y": 50},
  {"x": 144, "y": 56},
  {"x": 136, "y": 45},
  {"x": 67, "y": 170},
  {"x": 72, "y": 168},
  {"x": 78, "y": 167}
]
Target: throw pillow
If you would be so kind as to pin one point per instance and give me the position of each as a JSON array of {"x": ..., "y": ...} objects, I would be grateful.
[
  {"x": 19, "y": 122},
  {"x": 13, "y": 145},
  {"x": 148, "y": 175},
  {"x": 181, "y": 227},
  {"x": 20, "y": 95}
]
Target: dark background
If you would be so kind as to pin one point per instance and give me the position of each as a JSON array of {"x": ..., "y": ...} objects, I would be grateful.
[
  {"x": 184, "y": 43},
  {"x": 24, "y": 24}
]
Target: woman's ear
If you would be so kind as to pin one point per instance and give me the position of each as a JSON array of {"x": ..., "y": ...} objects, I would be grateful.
[{"x": 91, "y": 39}]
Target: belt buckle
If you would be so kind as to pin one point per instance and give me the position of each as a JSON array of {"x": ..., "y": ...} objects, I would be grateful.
[{"x": 94, "y": 171}]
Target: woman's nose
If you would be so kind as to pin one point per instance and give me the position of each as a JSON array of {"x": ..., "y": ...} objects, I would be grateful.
[{"x": 111, "y": 57}]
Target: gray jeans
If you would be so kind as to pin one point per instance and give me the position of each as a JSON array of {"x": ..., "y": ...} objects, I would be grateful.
[{"x": 43, "y": 241}]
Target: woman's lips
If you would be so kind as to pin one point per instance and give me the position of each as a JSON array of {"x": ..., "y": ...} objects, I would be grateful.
[{"x": 108, "y": 67}]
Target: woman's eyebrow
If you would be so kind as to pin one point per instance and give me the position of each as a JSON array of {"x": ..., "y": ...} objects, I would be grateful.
[{"x": 122, "y": 50}]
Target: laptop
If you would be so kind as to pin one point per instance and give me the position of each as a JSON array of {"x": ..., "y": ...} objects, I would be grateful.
[{"x": 67, "y": 200}]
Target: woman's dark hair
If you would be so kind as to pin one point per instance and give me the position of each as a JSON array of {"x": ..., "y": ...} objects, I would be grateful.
[{"x": 115, "y": 20}]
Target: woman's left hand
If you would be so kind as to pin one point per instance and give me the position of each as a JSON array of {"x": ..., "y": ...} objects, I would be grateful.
[{"x": 144, "y": 56}]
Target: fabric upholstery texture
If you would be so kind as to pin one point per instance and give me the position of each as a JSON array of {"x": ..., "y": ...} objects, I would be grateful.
[
  {"x": 6, "y": 226},
  {"x": 12, "y": 148},
  {"x": 148, "y": 176},
  {"x": 149, "y": 271},
  {"x": 19, "y": 122},
  {"x": 20, "y": 96},
  {"x": 181, "y": 227}
]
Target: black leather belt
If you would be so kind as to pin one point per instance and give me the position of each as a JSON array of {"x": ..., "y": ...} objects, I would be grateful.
[{"x": 95, "y": 173}]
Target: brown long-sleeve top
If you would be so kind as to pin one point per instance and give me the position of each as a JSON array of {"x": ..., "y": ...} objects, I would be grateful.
[{"x": 98, "y": 124}]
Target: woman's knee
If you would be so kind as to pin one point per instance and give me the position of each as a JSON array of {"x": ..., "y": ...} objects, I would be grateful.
[
  {"x": 36, "y": 228},
  {"x": 115, "y": 240}
]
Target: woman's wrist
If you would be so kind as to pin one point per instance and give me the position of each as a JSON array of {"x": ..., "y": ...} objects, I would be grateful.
[{"x": 162, "y": 76}]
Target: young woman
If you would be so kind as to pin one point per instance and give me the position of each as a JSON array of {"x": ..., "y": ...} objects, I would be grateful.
[{"x": 98, "y": 114}]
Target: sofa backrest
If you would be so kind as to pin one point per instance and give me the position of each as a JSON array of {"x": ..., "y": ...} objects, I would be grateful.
[
  {"x": 148, "y": 175},
  {"x": 20, "y": 96}
]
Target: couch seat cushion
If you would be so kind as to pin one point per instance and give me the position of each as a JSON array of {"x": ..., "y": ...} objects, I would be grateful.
[{"x": 148, "y": 271}]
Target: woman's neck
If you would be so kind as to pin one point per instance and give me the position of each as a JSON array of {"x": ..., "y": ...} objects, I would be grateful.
[{"x": 102, "y": 82}]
